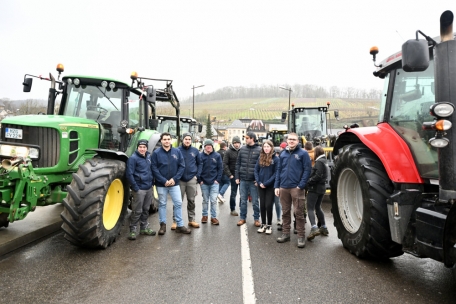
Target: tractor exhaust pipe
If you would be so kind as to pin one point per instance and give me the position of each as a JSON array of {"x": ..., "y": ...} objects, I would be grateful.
[{"x": 445, "y": 90}]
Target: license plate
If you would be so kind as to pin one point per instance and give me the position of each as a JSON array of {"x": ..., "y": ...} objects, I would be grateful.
[{"x": 13, "y": 133}]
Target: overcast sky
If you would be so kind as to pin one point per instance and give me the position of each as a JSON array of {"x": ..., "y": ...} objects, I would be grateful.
[{"x": 215, "y": 43}]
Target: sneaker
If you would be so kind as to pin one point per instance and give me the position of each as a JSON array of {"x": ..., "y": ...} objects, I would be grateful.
[
  {"x": 301, "y": 242},
  {"x": 314, "y": 231},
  {"x": 268, "y": 229},
  {"x": 183, "y": 229},
  {"x": 132, "y": 235},
  {"x": 147, "y": 231},
  {"x": 173, "y": 226},
  {"x": 220, "y": 199},
  {"x": 279, "y": 222},
  {"x": 257, "y": 223},
  {"x": 262, "y": 229},
  {"x": 324, "y": 231},
  {"x": 234, "y": 213},
  {"x": 284, "y": 238},
  {"x": 162, "y": 229},
  {"x": 214, "y": 221},
  {"x": 193, "y": 224},
  {"x": 204, "y": 219}
]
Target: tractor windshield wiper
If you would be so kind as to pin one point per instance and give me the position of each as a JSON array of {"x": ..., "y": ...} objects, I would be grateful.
[{"x": 107, "y": 98}]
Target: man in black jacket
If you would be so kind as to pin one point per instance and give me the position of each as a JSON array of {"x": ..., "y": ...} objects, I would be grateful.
[
  {"x": 229, "y": 168},
  {"x": 245, "y": 177}
]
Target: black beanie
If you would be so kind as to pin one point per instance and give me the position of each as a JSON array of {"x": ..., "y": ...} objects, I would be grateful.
[{"x": 143, "y": 142}]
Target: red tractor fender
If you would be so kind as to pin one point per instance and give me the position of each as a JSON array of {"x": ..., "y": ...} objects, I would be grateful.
[{"x": 390, "y": 148}]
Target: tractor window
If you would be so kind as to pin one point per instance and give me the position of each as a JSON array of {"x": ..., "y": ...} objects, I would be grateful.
[
  {"x": 133, "y": 110},
  {"x": 310, "y": 123},
  {"x": 413, "y": 94}
]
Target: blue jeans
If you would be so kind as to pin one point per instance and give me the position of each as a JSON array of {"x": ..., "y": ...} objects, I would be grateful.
[
  {"x": 234, "y": 190},
  {"x": 210, "y": 193},
  {"x": 176, "y": 197},
  {"x": 247, "y": 187},
  {"x": 278, "y": 207},
  {"x": 224, "y": 185}
]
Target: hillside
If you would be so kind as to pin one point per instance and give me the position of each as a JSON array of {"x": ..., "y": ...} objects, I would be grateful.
[{"x": 270, "y": 109}]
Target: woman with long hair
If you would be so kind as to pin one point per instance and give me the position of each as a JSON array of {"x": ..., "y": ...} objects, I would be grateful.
[
  {"x": 316, "y": 191},
  {"x": 265, "y": 175}
]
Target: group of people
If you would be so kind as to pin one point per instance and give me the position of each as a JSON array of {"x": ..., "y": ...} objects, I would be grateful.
[{"x": 257, "y": 171}]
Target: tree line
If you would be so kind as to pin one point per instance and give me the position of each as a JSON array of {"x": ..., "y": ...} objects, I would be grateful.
[{"x": 298, "y": 91}]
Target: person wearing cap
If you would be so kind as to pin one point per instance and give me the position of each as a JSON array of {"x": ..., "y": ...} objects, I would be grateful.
[
  {"x": 189, "y": 178},
  {"x": 225, "y": 178},
  {"x": 139, "y": 175},
  {"x": 294, "y": 171},
  {"x": 245, "y": 177},
  {"x": 283, "y": 146},
  {"x": 209, "y": 179},
  {"x": 167, "y": 167},
  {"x": 229, "y": 168}
]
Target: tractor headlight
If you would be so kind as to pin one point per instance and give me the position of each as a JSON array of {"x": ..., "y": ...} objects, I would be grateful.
[
  {"x": 439, "y": 142},
  {"x": 19, "y": 151},
  {"x": 442, "y": 109}
]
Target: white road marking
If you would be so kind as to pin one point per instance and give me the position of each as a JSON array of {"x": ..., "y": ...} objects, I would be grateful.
[{"x": 248, "y": 290}]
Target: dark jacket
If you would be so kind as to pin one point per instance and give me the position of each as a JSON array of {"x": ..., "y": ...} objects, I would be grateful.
[
  {"x": 294, "y": 169},
  {"x": 246, "y": 161},
  {"x": 138, "y": 172},
  {"x": 229, "y": 161},
  {"x": 212, "y": 168},
  {"x": 166, "y": 165},
  {"x": 267, "y": 175},
  {"x": 192, "y": 161},
  {"x": 318, "y": 176}
]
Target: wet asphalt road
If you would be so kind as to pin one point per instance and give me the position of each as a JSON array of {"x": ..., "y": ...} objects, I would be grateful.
[{"x": 205, "y": 267}]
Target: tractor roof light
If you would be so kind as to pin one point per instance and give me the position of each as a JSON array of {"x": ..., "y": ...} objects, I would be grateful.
[
  {"x": 76, "y": 81},
  {"x": 439, "y": 142},
  {"x": 112, "y": 85},
  {"x": 439, "y": 125},
  {"x": 442, "y": 109},
  {"x": 60, "y": 68},
  {"x": 134, "y": 75},
  {"x": 104, "y": 83}
]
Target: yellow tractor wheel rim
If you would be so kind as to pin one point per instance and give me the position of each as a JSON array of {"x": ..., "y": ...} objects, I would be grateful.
[{"x": 113, "y": 204}]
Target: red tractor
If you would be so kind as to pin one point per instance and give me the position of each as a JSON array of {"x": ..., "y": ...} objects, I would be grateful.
[{"x": 393, "y": 186}]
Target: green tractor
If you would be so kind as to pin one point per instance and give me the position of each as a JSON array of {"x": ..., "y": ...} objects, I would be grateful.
[{"x": 78, "y": 156}]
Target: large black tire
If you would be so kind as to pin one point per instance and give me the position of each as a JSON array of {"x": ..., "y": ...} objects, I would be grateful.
[
  {"x": 96, "y": 203},
  {"x": 360, "y": 187}
]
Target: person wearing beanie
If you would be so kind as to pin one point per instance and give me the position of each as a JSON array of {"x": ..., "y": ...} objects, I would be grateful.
[
  {"x": 225, "y": 178},
  {"x": 188, "y": 181},
  {"x": 229, "y": 168},
  {"x": 245, "y": 168},
  {"x": 167, "y": 167},
  {"x": 139, "y": 175},
  {"x": 209, "y": 180}
]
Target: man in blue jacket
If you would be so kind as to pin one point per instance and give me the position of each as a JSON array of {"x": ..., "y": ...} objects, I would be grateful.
[
  {"x": 189, "y": 178},
  {"x": 210, "y": 178},
  {"x": 294, "y": 171},
  {"x": 167, "y": 167},
  {"x": 139, "y": 176}
]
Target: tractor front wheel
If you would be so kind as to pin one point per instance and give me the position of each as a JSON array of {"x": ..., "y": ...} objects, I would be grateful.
[{"x": 96, "y": 203}]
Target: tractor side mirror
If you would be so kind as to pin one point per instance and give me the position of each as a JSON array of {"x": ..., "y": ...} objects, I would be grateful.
[
  {"x": 200, "y": 128},
  {"x": 415, "y": 55},
  {"x": 284, "y": 116},
  {"x": 336, "y": 114},
  {"x": 151, "y": 95},
  {"x": 27, "y": 84}
]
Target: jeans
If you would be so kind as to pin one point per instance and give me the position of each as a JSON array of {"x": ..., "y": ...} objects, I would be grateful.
[
  {"x": 234, "y": 190},
  {"x": 210, "y": 193},
  {"x": 175, "y": 194},
  {"x": 278, "y": 207},
  {"x": 224, "y": 185},
  {"x": 140, "y": 209},
  {"x": 247, "y": 187},
  {"x": 314, "y": 206}
]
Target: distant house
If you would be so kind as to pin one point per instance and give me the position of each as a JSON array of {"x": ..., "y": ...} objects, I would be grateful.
[{"x": 237, "y": 128}]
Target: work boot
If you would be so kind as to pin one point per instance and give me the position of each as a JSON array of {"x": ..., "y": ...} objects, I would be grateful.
[
  {"x": 162, "y": 229},
  {"x": 183, "y": 229},
  {"x": 241, "y": 222},
  {"x": 204, "y": 219},
  {"x": 284, "y": 238},
  {"x": 132, "y": 235},
  {"x": 314, "y": 231},
  {"x": 324, "y": 231},
  {"x": 147, "y": 231},
  {"x": 301, "y": 242},
  {"x": 257, "y": 223},
  {"x": 173, "y": 226},
  {"x": 214, "y": 221},
  {"x": 193, "y": 224}
]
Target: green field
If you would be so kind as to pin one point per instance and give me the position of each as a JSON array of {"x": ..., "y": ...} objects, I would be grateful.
[{"x": 270, "y": 109}]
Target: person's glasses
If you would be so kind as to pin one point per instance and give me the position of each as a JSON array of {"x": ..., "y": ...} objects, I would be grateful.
[{"x": 293, "y": 139}]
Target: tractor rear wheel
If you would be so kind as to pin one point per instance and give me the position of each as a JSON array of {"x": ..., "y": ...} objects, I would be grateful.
[
  {"x": 360, "y": 187},
  {"x": 96, "y": 203}
]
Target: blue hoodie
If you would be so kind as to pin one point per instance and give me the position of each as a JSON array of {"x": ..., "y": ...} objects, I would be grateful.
[
  {"x": 193, "y": 164},
  {"x": 267, "y": 175},
  {"x": 166, "y": 165},
  {"x": 294, "y": 169},
  {"x": 212, "y": 168},
  {"x": 138, "y": 172}
]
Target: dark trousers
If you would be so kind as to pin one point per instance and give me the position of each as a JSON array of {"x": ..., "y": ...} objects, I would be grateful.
[
  {"x": 234, "y": 190},
  {"x": 293, "y": 197},
  {"x": 266, "y": 203},
  {"x": 314, "y": 206}
]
